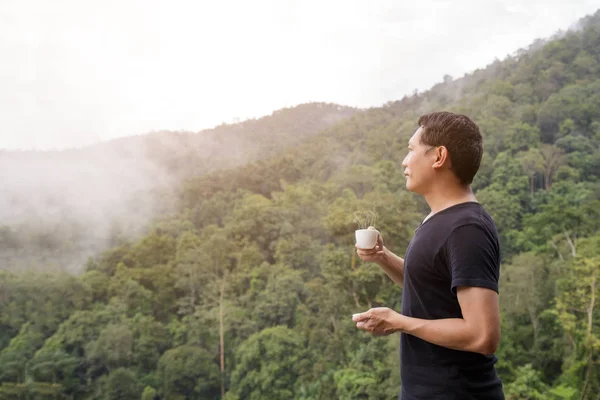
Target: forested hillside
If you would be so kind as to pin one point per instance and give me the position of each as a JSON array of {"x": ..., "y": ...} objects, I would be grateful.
[
  {"x": 246, "y": 290},
  {"x": 57, "y": 208}
]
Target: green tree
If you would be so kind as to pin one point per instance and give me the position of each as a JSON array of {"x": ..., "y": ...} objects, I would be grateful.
[
  {"x": 267, "y": 365},
  {"x": 189, "y": 372},
  {"x": 521, "y": 137},
  {"x": 526, "y": 287},
  {"x": 577, "y": 309},
  {"x": 112, "y": 349},
  {"x": 57, "y": 367},
  {"x": 527, "y": 386},
  {"x": 127, "y": 293},
  {"x": 122, "y": 385},
  {"x": 276, "y": 304},
  {"x": 150, "y": 340},
  {"x": 149, "y": 393},
  {"x": 13, "y": 359}
]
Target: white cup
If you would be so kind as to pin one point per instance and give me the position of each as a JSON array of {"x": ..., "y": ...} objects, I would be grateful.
[{"x": 366, "y": 238}]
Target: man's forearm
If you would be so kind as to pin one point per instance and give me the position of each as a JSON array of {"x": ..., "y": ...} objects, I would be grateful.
[
  {"x": 453, "y": 333},
  {"x": 393, "y": 267}
]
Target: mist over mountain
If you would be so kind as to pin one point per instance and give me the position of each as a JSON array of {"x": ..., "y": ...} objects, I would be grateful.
[
  {"x": 244, "y": 285},
  {"x": 59, "y": 207}
]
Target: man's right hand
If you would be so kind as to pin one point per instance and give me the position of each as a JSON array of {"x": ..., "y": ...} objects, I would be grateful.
[{"x": 375, "y": 254}]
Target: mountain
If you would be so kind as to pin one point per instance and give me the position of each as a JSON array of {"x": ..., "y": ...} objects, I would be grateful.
[
  {"x": 247, "y": 285},
  {"x": 59, "y": 207}
]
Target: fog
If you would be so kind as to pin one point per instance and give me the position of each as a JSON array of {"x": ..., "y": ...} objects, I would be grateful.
[
  {"x": 77, "y": 201},
  {"x": 57, "y": 208},
  {"x": 75, "y": 73}
]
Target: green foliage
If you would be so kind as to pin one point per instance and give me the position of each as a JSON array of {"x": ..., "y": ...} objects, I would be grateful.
[
  {"x": 13, "y": 359},
  {"x": 149, "y": 393},
  {"x": 563, "y": 392},
  {"x": 527, "y": 386},
  {"x": 113, "y": 348},
  {"x": 188, "y": 371},
  {"x": 247, "y": 285},
  {"x": 268, "y": 365},
  {"x": 122, "y": 385}
]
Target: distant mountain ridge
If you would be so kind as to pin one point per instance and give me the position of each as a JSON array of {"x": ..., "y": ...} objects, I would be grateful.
[
  {"x": 253, "y": 269},
  {"x": 84, "y": 194},
  {"x": 164, "y": 171}
]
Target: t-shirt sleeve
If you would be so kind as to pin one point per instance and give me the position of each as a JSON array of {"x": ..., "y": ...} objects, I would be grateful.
[{"x": 473, "y": 258}]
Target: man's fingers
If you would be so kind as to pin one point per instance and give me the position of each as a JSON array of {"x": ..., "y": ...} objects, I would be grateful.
[
  {"x": 372, "y": 321},
  {"x": 379, "y": 238},
  {"x": 360, "y": 317},
  {"x": 364, "y": 325},
  {"x": 367, "y": 252},
  {"x": 367, "y": 325},
  {"x": 376, "y": 248}
]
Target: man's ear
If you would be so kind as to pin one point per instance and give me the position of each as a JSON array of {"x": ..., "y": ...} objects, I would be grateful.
[{"x": 442, "y": 158}]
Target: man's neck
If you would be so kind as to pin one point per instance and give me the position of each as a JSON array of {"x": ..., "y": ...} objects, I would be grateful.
[{"x": 442, "y": 197}]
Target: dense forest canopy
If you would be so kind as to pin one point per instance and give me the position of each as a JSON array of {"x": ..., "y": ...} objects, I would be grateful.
[{"x": 244, "y": 287}]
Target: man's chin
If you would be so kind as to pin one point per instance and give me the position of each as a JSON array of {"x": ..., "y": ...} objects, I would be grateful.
[{"x": 411, "y": 188}]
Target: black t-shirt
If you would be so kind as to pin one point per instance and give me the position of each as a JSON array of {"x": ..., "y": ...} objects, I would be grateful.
[{"x": 458, "y": 246}]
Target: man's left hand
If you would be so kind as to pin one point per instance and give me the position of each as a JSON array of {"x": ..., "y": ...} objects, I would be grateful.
[{"x": 380, "y": 321}]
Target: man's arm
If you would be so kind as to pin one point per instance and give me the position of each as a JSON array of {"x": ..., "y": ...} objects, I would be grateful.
[
  {"x": 393, "y": 266},
  {"x": 478, "y": 331},
  {"x": 388, "y": 261}
]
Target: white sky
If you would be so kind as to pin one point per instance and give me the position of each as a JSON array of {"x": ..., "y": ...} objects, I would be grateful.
[{"x": 74, "y": 72}]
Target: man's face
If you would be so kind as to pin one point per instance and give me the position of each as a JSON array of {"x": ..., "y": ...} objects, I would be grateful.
[{"x": 418, "y": 164}]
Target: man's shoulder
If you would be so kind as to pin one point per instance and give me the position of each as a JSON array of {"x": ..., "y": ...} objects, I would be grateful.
[
  {"x": 472, "y": 217},
  {"x": 471, "y": 213},
  {"x": 467, "y": 222}
]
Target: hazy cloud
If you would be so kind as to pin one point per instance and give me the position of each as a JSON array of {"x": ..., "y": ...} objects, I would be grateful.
[{"x": 78, "y": 72}]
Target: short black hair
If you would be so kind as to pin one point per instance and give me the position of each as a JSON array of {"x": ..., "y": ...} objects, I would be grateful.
[{"x": 460, "y": 135}]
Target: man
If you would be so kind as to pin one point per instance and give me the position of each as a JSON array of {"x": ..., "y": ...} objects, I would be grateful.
[{"x": 450, "y": 320}]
